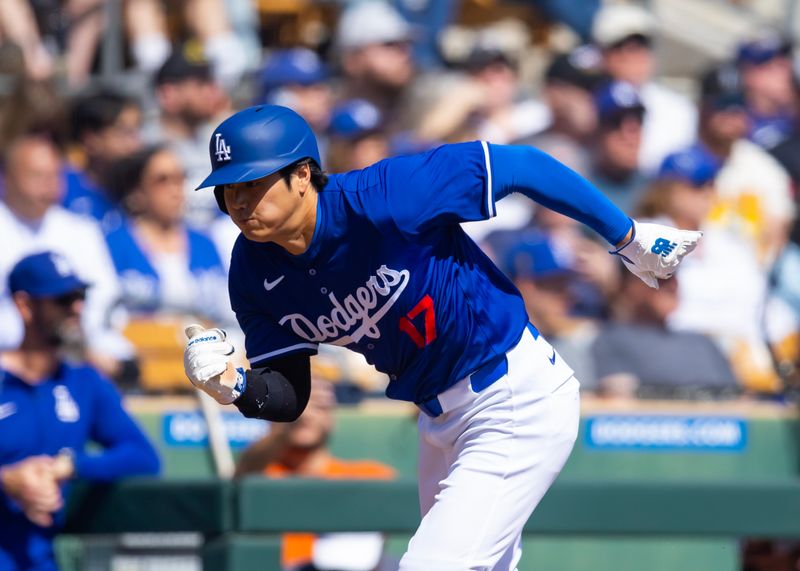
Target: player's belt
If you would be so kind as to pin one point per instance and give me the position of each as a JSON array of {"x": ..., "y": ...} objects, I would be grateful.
[{"x": 478, "y": 380}]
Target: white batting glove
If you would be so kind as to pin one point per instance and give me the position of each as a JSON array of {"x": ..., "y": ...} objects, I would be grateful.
[
  {"x": 655, "y": 250},
  {"x": 206, "y": 361}
]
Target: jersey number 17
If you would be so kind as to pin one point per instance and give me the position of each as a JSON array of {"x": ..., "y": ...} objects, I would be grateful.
[{"x": 420, "y": 338}]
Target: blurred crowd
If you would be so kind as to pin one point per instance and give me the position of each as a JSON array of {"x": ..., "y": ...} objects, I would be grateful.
[{"x": 101, "y": 168}]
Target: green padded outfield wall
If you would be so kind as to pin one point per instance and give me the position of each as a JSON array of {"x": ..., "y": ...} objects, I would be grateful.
[{"x": 769, "y": 452}]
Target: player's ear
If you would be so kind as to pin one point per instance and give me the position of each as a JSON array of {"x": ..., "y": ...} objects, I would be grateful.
[{"x": 302, "y": 177}]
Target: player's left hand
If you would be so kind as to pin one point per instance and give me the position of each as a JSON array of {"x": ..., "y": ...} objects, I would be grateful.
[
  {"x": 207, "y": 364},
  {"x": 654, "y": 251}
]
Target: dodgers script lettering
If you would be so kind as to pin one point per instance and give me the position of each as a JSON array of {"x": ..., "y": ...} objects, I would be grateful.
[{"x": 355, "y": 310}]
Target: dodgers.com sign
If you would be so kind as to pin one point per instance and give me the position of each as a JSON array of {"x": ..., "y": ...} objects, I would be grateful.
[
  {"x": 685, "y": 433},
  {"x": 190, "y": 429}
]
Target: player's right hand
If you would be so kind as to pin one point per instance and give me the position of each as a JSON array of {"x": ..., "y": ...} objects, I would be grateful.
[{"x": 207, "y": 364}]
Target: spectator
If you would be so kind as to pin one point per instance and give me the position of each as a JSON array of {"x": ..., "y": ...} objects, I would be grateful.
[
  {"x": 766, "y": 69},
  {"x": 208, "y": 24},
  {"x": 490, "y": 105},
  {"x": 544, "y": 270},
  {"x": 507, "y": 114},
  {"x": 163, "y": 266},
  {"x": 51, "y": 409},
  {"x": 569, "y": 81},
  {"x": 788, "y": 152},
  {"x": 106, "y": 127},
  {"x": 599, "y": 274},
  {"x": 684, "y": 189},
  {"x": 753, "y": 189},
  {"x": 787, "y": 265},
  {"x": 18, "y": 26},
  {"x": 30, "y": 220},
  {"x": 357, "y": 136},
  {"x": 684, "y": 194},
  {"x": 615, "y": 164},
  {"x": 626, "y": 365},
  {"x": 595, "y": 275},
  {"x": 70, "y": 31},
  {"x": 189, "y": 100},
  {"x": 297, "y": 78},
  {"x": 374, "y": 50},
  {"x": 624, "y": 34},
  {"x": 301, "y": 449},
  {"x": 25, "y": 104}
]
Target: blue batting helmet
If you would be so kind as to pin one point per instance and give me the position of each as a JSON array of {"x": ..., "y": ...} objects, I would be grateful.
[{"x": 257, "y": 142}]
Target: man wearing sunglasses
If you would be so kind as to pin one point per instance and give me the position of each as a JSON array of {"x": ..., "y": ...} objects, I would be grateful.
[
  {"x": 50, "y": 408},
  {"x": 615, "y": 164},
  {"x": 626, "y": 35}
]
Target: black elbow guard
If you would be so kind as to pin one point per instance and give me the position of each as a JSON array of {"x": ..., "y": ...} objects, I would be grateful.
[{"x": 270, "y": 395}]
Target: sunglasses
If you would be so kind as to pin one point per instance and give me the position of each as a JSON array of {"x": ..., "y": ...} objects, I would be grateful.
[
  {"x": 616, "y": 119},
  {"x": 68, "y": 299}
]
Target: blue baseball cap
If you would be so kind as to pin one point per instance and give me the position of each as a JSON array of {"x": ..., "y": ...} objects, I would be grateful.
[
  {"x": 761, "y": 50},
  {"x": 296, "y": 66},
  {"x": 355, "y": 118},
  {"x": 539, "y": 256},
  {"x": 694, "y": 165},
  {"x": 45, "y": 274},
  {"x": 615, "y": 98},
  {"x": 721, "y": 88}
]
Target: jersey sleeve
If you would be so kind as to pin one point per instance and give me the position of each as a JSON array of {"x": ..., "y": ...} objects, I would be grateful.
[
  {"x": 264, "y": 338},
  {"x": 444, "y": 186},
  {"x": 126, "y": 450}
]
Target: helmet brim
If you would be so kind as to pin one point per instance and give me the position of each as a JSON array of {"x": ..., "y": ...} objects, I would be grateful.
[{"x": 233, "y": 173}]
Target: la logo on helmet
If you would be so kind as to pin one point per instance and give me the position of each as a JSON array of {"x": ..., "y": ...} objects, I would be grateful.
[{"x": 223, "y": 151}]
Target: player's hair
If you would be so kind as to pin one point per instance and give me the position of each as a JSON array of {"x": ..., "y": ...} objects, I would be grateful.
[
  {"x": 319, "y": 178},
  {"x": 97, "y": 110}
]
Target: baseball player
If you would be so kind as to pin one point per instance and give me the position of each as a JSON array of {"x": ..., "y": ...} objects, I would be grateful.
[{"x": 375, "y": 260}]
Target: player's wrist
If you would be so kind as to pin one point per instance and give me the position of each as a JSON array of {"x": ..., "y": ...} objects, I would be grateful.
[
  {"x": 628, "y": 237},
  {"x": 240, "y": 386}
]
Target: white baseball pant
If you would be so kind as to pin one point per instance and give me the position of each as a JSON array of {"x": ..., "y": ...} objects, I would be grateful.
[{"x": 488, "y": 459}]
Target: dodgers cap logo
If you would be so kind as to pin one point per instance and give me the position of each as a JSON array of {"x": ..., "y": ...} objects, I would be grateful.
[{"x": 223, "y": 151}]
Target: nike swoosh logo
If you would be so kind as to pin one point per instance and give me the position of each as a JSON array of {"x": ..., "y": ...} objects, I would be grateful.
[
  {"x": 553, "y": 358},
  {"x": 268, "y": 285}
]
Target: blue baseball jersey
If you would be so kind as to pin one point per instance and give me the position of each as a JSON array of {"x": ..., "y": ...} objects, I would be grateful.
[
  {"x": 73, "y": 407},
  {"x": 389, "y": 274}
]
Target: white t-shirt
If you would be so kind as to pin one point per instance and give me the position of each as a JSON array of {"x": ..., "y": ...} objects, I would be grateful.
[
  {"x": 754, "y": 196},
  {"x": 81, "y": 242},
  {"x": 721, "y": 288},
  {"x": 670, "y": 124},
  {"x": 723, "y": 292}
]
